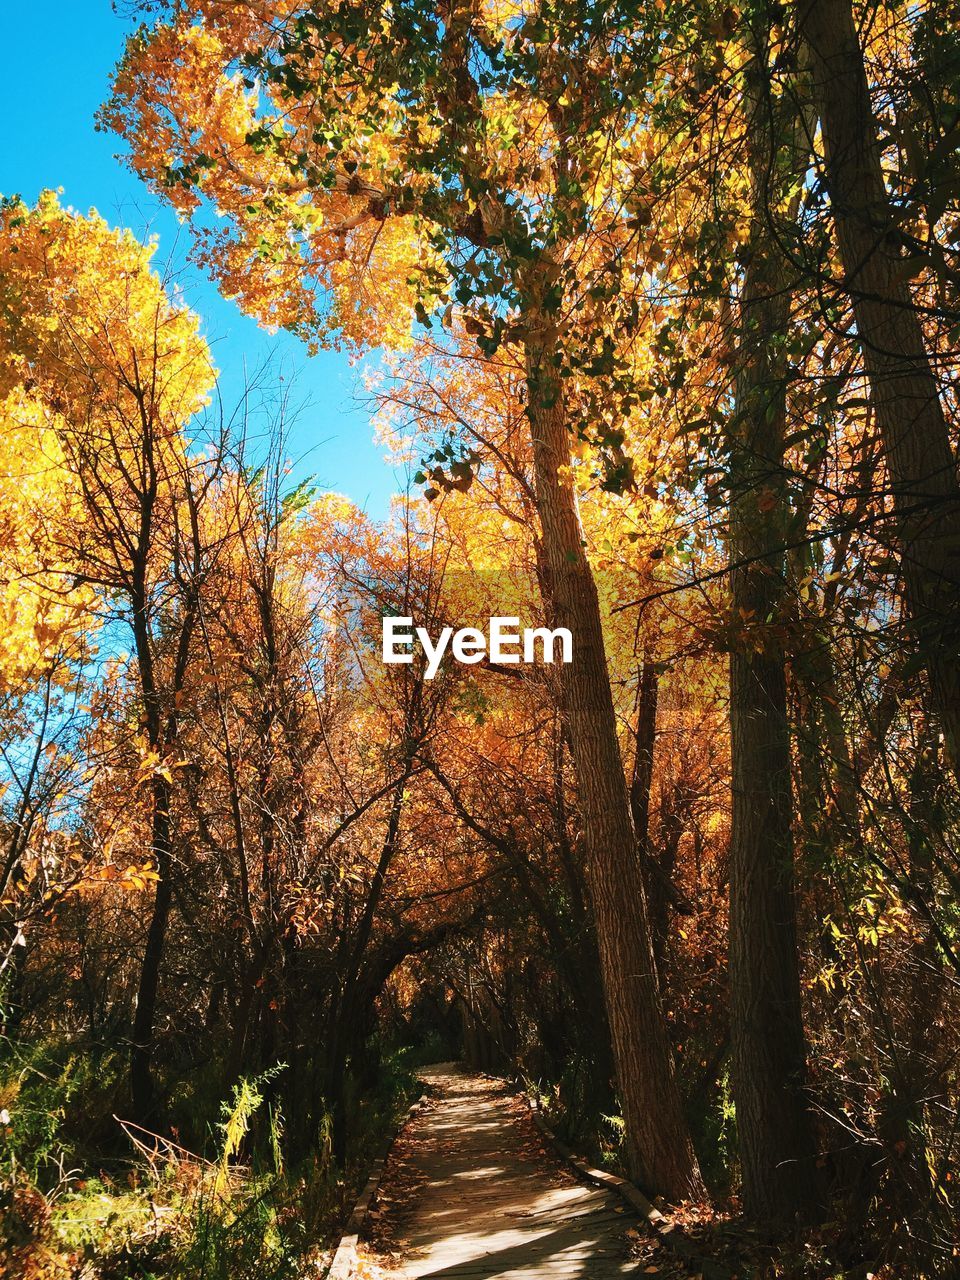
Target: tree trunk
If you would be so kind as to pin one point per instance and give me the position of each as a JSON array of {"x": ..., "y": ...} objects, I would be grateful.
[
  {"x": 659, "y": 1149},
  {"x": 143, "y": 1093},
  {"x": 161, "y": 734},
  {"x": 913, "y": 430},
  {"x": 767, "y": 1040},
  {"x": 344, "y": 1010},
  {"x": 641, "y": 783}
]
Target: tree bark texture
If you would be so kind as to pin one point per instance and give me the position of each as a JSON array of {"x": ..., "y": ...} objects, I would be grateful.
[{"x": 659, "y": 1148}]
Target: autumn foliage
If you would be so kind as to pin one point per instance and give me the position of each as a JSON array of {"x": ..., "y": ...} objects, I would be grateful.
[{"x": 664, "y": 300}]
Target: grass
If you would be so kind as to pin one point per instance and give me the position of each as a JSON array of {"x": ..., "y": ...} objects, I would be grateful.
[{"x": 75, "y": 1210}]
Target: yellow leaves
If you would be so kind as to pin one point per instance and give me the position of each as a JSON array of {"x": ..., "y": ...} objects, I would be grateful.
[
  {"x": 40, "y": 618},
  {"x": 876, "y": 916},
  {"x": 152, "y": 765},
  {"x": 197, "y": 129},
  {"x": 138, "y": 877},
  {"x": 581, "y": 449},
  {"x": 184, "y": 63},
  {"x": 500, "y": 14},
  {"x": 82, "y": 287},
  {"x": 132, "y": 877},
  {"x": 93, "y": 357},
  {"x": 375, "y": 304},
  {"x": 89, "y": 308}
]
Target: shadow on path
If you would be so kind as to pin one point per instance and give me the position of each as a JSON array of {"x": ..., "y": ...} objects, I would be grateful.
[{"x": 490, "y": 1204}]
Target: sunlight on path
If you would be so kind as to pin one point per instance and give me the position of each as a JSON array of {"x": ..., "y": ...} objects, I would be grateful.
[{"x": 489, "y": 1204}]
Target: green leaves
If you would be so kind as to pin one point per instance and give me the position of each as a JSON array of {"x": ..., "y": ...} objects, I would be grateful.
[{"x": 447, "y": 469}]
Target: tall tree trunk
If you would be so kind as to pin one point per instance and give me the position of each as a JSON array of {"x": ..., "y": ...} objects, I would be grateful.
[
  {"x": 659, "y": 1149},
  {"x": 916, "y": 443},
  {"x": 767, "y": 1040},
  {"x": 161, "y": 735},
  {"x": 142, "y": 1090}
]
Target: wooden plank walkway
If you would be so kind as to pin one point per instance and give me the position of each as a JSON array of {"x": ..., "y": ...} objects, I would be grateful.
[{"x": 488, "y": 1204}]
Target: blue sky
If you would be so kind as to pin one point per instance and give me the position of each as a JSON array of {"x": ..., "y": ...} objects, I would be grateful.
[{"x": 56, "y": 74}]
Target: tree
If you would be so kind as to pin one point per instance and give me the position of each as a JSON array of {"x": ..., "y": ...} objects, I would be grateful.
[
  {"x": 768, "y": 1069},
  {"x": 121, "y": 370},
  {"x": 876, "y": 270},
  {"x": 461, "y": 180}
]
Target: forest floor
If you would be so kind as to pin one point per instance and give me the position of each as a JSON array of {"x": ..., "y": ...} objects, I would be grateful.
[{"x": 471, "y": 1193}]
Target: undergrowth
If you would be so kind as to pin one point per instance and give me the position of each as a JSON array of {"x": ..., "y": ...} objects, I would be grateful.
[{"x": 159, "y": 1210}]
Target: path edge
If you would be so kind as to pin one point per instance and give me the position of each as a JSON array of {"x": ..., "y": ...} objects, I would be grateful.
[
  {"x": 633, "y": 1196},
  {"x": 345, "y": 1257}
]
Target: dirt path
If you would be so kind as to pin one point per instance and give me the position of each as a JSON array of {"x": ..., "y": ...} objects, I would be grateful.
[{"x": 470, "y": 1194}]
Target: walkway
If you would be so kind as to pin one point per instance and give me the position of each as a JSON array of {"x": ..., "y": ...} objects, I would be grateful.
[{"x": 484, "y": 1202}]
